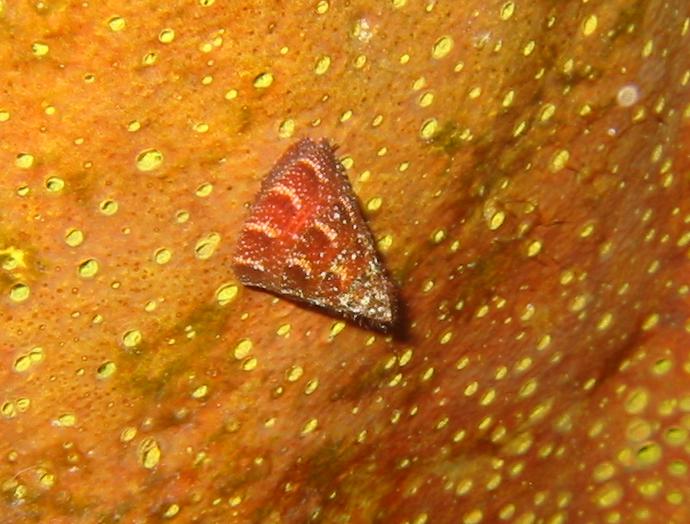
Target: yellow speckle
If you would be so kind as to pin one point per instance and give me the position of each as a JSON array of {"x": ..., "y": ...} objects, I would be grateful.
[
  {"x": 589, "y": 25},
  {"x": 66, "y": 420},
  {"x": 106, "y": 370},
  {"x": 529, "y": 48},
  {"x": 475, "y": 92},
  {"x": 294, "y": 373},
  {"x": 263, "y": 80},
  {"x": 649, "y": 454},
  {"x": 162, "y": 255},
  {"x": 173, "y": 509},
  {"x": 650, "y": 322},
  {"x": 242, "y": 348},
  {"x": 534, "y": 248},
  {"x": 337, "y": 328},
  {"x": 200, "y": 392},
  {"x": 547, "y": 111},
  {"x": 149, "y": 160},
  {"x": 609, "y": 495},
  {"x": 132, "y": 338},
  {"x": 442, "y": 47},
  {"x": 24, "y": 161},
  {"x": 108, "y": 207},
  {"x": 322, "y": 65},
  {"x": 4, "y": 115},
  {"x": 74, "y": 237},
  {"x": 385, "y": 243},
  {"x": 149, "y": 453},
  {"x": 605, "y": 321},
  {"x": 39, "y": 49},
  {"x": 559, "y": 160},
  {"x": 19, "y": 292},
  {"x": 587, "y": 231},
  {"x": 206, "y": 246},
  {"x": 231, "y": 94},
  {"x": 286, "y": 128},
  {"x": 374, "y": 204},
  {"x": 204, "y": 190},
  {"x": 310, "y": 426},
  {"x": 88, "y": 268},
  {"x": 508, "y": 98},
  {"x": 637, "y": 401},
  {"x": 117, "y": 23},
  {"x": 496, "y": 220},
  {"x": 200, "y": 127},
  {"x": 322, "y": 7},
  {"x": 438, "y": 236},
  {"x": 647, "y": 48},
  {"x": 128, "y": 434},
  {"x": 426, "y": 99},
  {"x": 166, "y": 36},
  {"x": 507, "y": 10},
  {"x": 428, "y": 129},
  {"x": 226, "y": 294}
]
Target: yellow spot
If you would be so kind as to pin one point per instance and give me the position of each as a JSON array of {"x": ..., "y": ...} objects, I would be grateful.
[
  {"x": 74, "y": 237},
  {"x": 283, "y": 330},
  {"x": 106, "y": 370},
  {"x": 286, "y": 128},
  {"x": 295, "y": 373},
  {"x": 310, "y": 426},
  {"x": 650, "y": 322},
  {"x": 231, "y": 94},
  {"x": 648, "y": 48},
  {"x": 149, "y": 160},
  {"x": 442, "y": 47},
  {"x": 529, "y": 48},
  {"x": 534, "y": 248},
  {"x": 19, "y": 292},
  {"x": 200, "y": 392},
  {"x": 547, "y": 112},
  {"x": 132, "y": 338},
  {"x": 162, "y": 255},
  {"x": 263, "y": 80},
  {"x": 559, "y": 160},
  {"x": 603, "y": 471},
  {"x": 438, "y": 236},
  {"x": 149, "y": 453},
  {"x": 66, "y": 420},
  {"x": 507, "y": 10},
  {"x": 39, "y": 49},
  {"x": 649, "y": 454},
  {"x": 426, "y": 99},
  {"x": 173, "y": 509},
  {"x": 89, "y": 268},
  {"x": 589, "y": 25},
  {"x": 637, "y": 401},
  {"x": 108, "y": 207},
  {"x": 428, "y": 129},
  {"x": 605, "y": 321},
  {"x": 117, "y": 23},
  {"x": 322, "y": 7},
  {"x": 206, "y": 246},
  {"x": 374, "y": 204},
  {"x": 508, "y": 98},
  {"x": 24, "y": 161},
  {"x": 128, "y": 434},
  {"x": 397, "y": 4},
  {"x": 204, "y": 190},
  {"x": 337, "y": 328},
  {"x": 226, "y": 294},
  {"x": 609, "y": 495},
  {"x": 4, "y": 115},
  {"x": 166, "y": 36},
  {"x": 385, "y": 243},
  {"x": 242, "y": 348},
  {"x": 322, "y": 65},
  {"x": 496, "y": 220},
  {"x": 475, "y": 92}
]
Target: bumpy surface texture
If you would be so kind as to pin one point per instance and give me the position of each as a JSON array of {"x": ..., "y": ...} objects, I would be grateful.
[{"x": 524, "y": 167}]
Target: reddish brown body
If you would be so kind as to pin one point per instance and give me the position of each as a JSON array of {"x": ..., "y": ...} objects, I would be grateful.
[{"x": 306, "y": 239}]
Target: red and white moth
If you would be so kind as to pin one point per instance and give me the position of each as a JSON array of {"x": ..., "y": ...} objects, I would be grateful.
[{"x": 306, "y": 239}]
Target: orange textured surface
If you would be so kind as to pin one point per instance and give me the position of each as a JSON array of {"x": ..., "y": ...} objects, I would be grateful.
[{"x": 525, "y": 170}]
